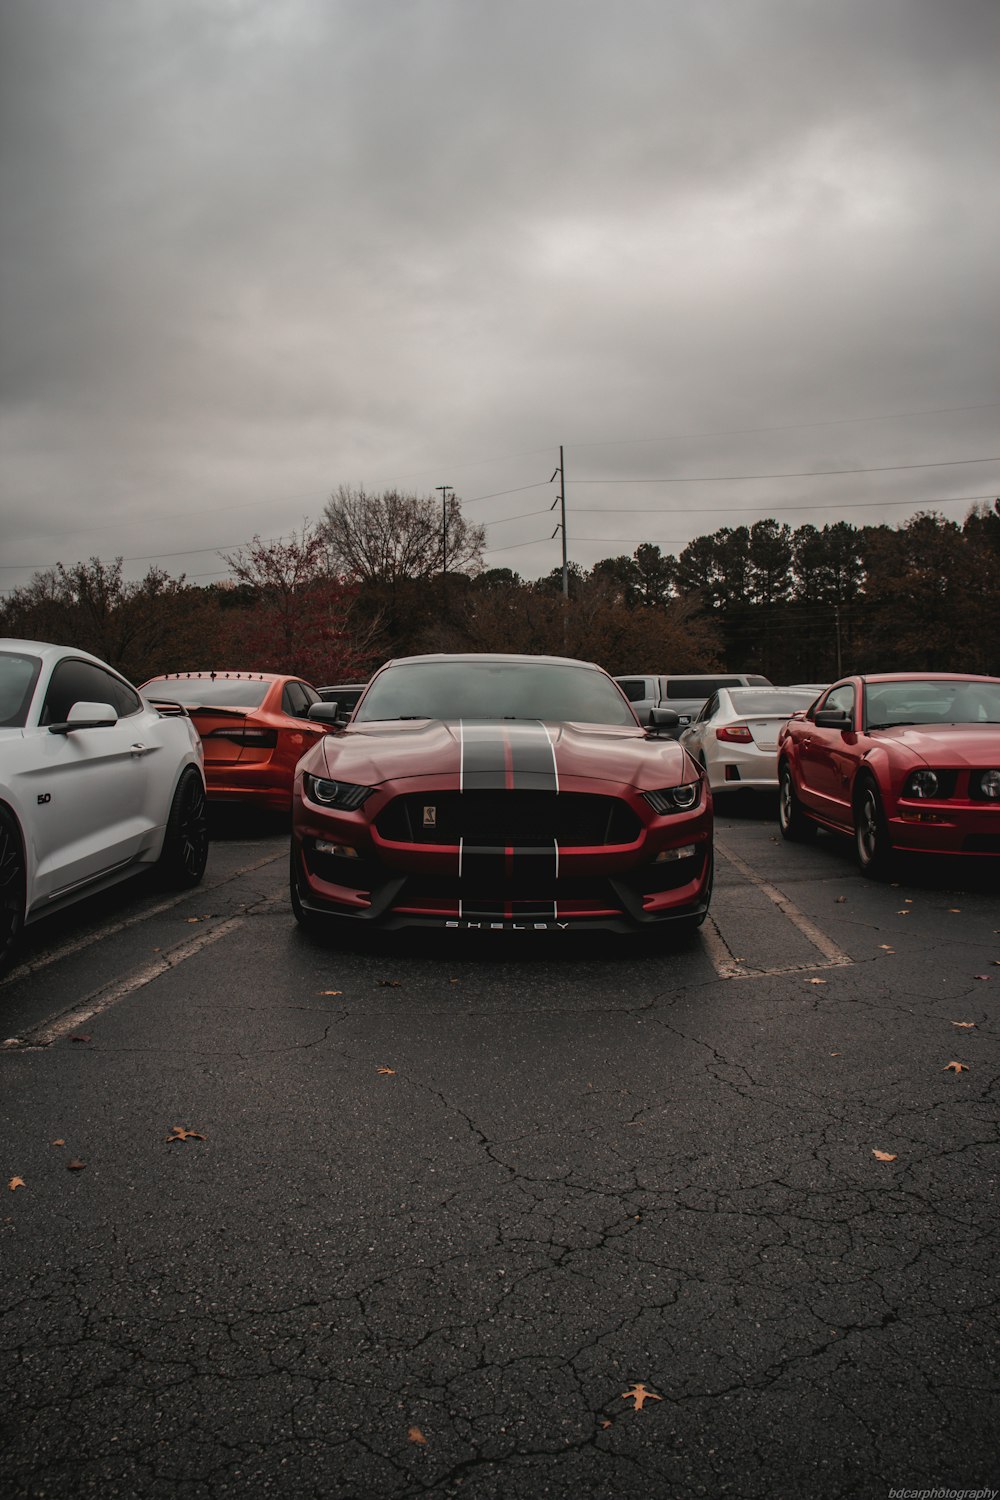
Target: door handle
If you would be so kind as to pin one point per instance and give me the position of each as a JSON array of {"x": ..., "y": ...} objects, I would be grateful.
[{"x": 140, "y": 749}]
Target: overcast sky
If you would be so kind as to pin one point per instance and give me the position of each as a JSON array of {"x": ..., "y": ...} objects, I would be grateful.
[{"x": 255, "y": 249}]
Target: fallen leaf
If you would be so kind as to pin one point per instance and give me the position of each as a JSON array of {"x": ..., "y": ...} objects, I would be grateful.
[
  {"x": 180, "y": 1134},
  {"x": 965, "y": 1025},
  {"x": 390, "y": 984},
  {"x": 193, "y": 919},
  {"x": 331, "y": 992},
  {"x": 76, "y": 1165},
  {"x": 416, "y": 1436},
  {"x": 887, "y": 947},
  {"x": 15, "y": 1183},
  {"x": 639, "y": 1394},
  {"x": 955, "y": 908},
  {"x": 815, "y": 981},
  {"x": 606, "y": 1424},
  {"x": 386, "y": 1072},
  {"x": 955, "y": 1067},
  {"x": 983, "y": 976},
  {"x": 79, "y": 1038},
  {"x": 883, "y": 1156},
  {"x": 57, "y": 1143},
  {"x": 839, "y": 900},
  {"x": 903, "y": 913},
  {"x": 836, "y": 1054}
]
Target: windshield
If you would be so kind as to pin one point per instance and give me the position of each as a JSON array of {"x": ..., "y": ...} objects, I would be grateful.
[
  {"x": 469, "y": 689},
  {"x": 206, "y": 692},
  {"x": 928, "y": 702},
  {"x": 751, "y": 701},
  {"x": 18, "y": 675}
]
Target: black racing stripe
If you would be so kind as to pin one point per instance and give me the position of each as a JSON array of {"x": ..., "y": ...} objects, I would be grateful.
[
  {"x": 528, "y": 873},
  {"x": 484, "y": 761},
  {"x": 533, "y": 759}
]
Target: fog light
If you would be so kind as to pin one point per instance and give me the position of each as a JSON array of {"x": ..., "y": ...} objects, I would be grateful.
[
  {"x": 666, "y": 855},
  {"x": 343, "y": 850}
]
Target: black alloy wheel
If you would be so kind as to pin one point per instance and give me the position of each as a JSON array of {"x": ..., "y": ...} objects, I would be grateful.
[{"x": 185, "y": 844}]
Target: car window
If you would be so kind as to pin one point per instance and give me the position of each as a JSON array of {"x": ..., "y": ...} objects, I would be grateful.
[
  {"x": 85, "y": 682},
  {"x": 708, "y": 709},
  {"x": 295, "y": 700},
  {"x": 755, "y": 701},
  {"x": 209, "y": 692},
  {"x": 467, "y": 688},
  {"x": 18, "y": 675},
  {"x": 841, "y": 698},
  {"x": 634, "y": 688},
  {"x": 699, "y": 687},
  {"x": 925, "y": 701}
]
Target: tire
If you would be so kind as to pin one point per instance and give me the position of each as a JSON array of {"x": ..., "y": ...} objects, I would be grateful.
[
  {"x": 871, "y": 831},
  {"x": 13, "y": 887},
  {"x": 793, "y": 822},
  {"x": 184, "y": 854}
]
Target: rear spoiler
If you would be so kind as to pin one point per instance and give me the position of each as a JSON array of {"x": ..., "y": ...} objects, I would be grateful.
[{"x": 166, "y": 709}]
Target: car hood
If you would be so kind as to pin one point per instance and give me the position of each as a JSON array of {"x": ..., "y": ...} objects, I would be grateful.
[
  {"x": 948, "y": 744},
  {"x": 483, "y": 753}
]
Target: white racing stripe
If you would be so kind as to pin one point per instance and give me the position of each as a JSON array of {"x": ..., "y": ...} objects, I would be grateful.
[{"x": 103, "y": 999}]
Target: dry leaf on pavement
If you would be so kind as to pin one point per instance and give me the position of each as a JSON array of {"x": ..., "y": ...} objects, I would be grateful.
[
  {"x": 955, "y": 1067},
  {"x": 180, "y": 1134},
  {"x": 965, "y": 1025},
  {"x": 386, "y": 1072},
  {"x": 638, "y": 1393},
  {"x": 416, "y": 1436},
  {"x": 883, "y": 1156},
  {"x": 76, "y": 1165},
  {"x": 15, "y": 1183}
]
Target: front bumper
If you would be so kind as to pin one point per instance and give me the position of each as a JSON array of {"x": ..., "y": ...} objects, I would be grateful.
[{"x": 343, "y": 867}]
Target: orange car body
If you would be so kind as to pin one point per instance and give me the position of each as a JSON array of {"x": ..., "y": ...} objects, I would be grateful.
[{"x": 254, "y": 729}]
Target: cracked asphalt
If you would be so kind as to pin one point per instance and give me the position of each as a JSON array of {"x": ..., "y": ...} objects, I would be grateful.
[{"x": 455, "y": 1198}]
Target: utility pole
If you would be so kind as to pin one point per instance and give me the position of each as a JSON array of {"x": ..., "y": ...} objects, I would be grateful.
[
  {"x": 443, "y": 491},
  {"x": 560, "y": 500}
]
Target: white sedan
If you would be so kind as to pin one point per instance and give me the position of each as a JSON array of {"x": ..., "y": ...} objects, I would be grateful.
[
  {"x": 735, "y": 736},
  {"x": 95, "y": 784}
]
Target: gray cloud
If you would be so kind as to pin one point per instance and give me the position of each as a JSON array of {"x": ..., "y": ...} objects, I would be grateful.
[{"x": 251, "y": 251}]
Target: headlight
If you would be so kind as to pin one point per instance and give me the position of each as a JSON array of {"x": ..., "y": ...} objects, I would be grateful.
[
  {"x": 674, "y": 798},
  {"x": 921, "y": 784},
  {"x": 990, "y": 783},
  {"x": 346, "y": 795}
]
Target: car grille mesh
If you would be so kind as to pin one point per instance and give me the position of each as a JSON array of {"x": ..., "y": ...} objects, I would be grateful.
[{"x": 505, "y": 819}]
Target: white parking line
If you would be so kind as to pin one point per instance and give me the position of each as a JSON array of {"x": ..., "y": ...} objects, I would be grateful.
[
  {"x": 729, "y": 967},
  {"x": 103, "y": 999},
  {"x": 33, "y": 965}
]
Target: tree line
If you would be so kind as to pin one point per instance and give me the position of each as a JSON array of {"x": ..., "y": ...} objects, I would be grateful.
[{"x": 395, "y": 573}]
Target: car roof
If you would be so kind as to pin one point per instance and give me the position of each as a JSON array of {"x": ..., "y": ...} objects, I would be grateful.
[
  {"x": 49, "y": 651},
  {"x": 216, "y": 676},
  {"x": 491, "y": 656},
  {"x": 924, "y": 677}
]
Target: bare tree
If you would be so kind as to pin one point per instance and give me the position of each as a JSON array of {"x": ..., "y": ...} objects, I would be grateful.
[{"x": 390, "y": 537}]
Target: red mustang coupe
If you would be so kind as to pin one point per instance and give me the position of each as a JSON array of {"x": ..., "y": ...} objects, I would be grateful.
[
  {"x": 902, "y": 761},
  {"x": 509, "y": 793},
  {"x": 254, "y": 727}
]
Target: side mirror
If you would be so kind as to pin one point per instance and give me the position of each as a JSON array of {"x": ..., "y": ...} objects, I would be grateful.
[
  {"x": 833, "y": 718},
  {"x": 327, "y": 714},
  {"x": 87, "y": 716},
  {"x": 663, "y": 718}
]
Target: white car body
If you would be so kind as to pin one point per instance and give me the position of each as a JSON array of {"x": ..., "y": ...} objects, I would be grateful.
[
  {"x": 88, "y": 805},
  {"x": 735, "y": 736}
]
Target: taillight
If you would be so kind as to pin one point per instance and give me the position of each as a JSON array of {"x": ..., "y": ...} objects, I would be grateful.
[
  {"x": 735, "y": 733},
  {"x": 260, "y": 739}
]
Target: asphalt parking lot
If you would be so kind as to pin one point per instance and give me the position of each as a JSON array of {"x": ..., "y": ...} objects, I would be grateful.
[{"x": 503, "y": 1217}]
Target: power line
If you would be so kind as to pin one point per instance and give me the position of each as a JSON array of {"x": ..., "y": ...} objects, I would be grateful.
[
  {"x": 659, "y": 510},
  {"x": 946, "y": 463}
]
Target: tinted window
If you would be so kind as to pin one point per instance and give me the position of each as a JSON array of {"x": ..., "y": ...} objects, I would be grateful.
[
  {"x": 18, "y": 675},
  {"x": 470, "y": 689},
  {"x": 84, "y": 682},
  {"x": 699, "y": 687},
  {"x": 206, "y": 692},
  {"x": 634, "y": 688},
  {"x": 297, "y": 698}
]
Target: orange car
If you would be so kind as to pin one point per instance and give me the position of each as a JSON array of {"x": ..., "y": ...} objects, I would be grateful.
[{"x": 254, "y": 728}]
